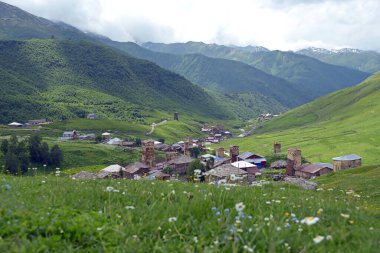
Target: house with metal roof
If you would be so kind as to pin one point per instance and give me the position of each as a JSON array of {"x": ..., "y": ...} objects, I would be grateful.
[
  {"x": 255, "y": 159},
  {"x": 347, "y": 161}
]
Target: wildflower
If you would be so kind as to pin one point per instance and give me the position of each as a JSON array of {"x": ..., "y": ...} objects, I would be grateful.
[
  {"x": 248, "y": 248},
  {"x": 43, "y": 181},
  {"x": 278, "y": 228},
  {"x": 226, "y": 210},
  {"x": 217, "y": 213},
  {"x": 213, "y": 209},
  {"x": 172, "y": 219},
  {"x": 227, "y": 188},
  {"x": 129, "y": 207},
  {"x": 268, "y": 202},
  {"x": 219, "y": 219},
  {"x": 319, "y": 211},
  {"x": 216, "y": 242},
  {"x": 346, "y": 216},
  {"x": 266, "y": 219},
  {"x": 99, "y": 229},
  {"x": 329, "y": 237},
  {"x": 195, "y": 239},
  {"x": 310, "y": 220},
  {"x": 109, "y": 189},
  {"x": 318, "y": 239},
  {"x": 239, "y": 206},
  {"x": 4, "y": 180},
  {"x": 7, "y": 186}
]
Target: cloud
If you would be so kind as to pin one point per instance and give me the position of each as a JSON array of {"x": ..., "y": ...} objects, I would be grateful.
[{"x": 276, "y": 24}]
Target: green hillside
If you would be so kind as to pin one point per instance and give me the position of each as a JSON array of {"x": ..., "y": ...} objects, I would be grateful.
[
  {"x": 367, "y": 61},
  {"x": 64, "y": 79},
  {"x": 310, "y": 76},
  {"x": 220, "y": 75},
  {"x": 16, "y": 24},
  {"x": 343, "y": 122}
]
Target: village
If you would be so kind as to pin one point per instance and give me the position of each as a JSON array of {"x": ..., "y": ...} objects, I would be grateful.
[{"x": 217, "y": 165}]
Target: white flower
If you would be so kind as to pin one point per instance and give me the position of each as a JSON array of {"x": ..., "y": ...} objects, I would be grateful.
[
  {"x": 195, "y": 239},
  {"x": 318, "y": 239},
  {"x": 109, "y": 189},
  {"x": 310, "y": 220},
  {"x": 129, "y": 207},
  {"x": 329, "y": 237},
  {"x": 248, "y": 248},
  {"x": 99, "y": 229},
  {"x": 346, "y": 216},
  {"x": 172, "y": 219},
  {"x": 239, "y": 206}
]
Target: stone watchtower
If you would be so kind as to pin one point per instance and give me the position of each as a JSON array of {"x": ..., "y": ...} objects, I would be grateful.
[
  {"x": 234, "y": 153},
  {"x": 176, "y": 116},
  {"x": 219, "y": 152},
  {"x": 187, "y": 146},
  {"x": 277, "y": 148},
  {"x": 148, "y": 156},
  {"x": 293, "y": 162}
]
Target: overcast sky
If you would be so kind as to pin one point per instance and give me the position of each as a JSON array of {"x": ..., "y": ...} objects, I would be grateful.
[{"x": 275, "y": 24}]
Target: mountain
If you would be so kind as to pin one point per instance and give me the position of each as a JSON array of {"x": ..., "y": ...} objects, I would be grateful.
[
  {"x": 63, "y": 79},
  {"x": 367, "y": 61},
  {"x": 224, "y": 76},
  {"x": 16, "y": 24},
  {"x": 310, "y": 76}
]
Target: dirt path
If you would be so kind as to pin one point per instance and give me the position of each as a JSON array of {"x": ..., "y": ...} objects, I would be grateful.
[{"x": 154, "y": 125}]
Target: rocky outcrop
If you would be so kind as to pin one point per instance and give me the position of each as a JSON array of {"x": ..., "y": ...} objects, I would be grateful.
[{"x": 301, "y": 183}]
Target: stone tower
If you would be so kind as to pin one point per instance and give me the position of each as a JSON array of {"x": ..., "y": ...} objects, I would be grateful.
[
  {"x": 293, "y": 162},
  {"x": 148, "y": 156},
  {"x": 176, "y": 116},
  {"x": 219, "y": 152},
  {"x": 277, "y": 148},
  {"x": 187, "y": 146},
  {"x": 234, "y": 153}
]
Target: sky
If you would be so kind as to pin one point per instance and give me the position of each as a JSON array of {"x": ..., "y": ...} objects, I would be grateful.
[{"x": 275, "y": 24}]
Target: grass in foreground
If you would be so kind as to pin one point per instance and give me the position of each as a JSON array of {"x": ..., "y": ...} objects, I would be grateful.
[{"x": 44, "y": 214}]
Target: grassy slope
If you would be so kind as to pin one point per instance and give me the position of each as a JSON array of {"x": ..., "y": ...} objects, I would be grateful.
[
  {"x": 341, "y": 123},
  {"x": 60, "y": 214},
  {"x": 33, "y": 70}
]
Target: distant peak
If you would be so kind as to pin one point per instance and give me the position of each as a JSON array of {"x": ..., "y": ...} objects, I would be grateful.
[{"x": 316, "y": 50}]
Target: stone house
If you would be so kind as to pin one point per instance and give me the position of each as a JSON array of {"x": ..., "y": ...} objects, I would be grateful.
[
  {"x": 136, "y": 168},
  {"x": 180, "y": 164},
  {"x": 347, "y": 161},
  {"x": 308, "y": 170}
]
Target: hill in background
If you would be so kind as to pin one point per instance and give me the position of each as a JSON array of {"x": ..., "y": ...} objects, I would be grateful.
[
  {"x": 340, "y": 123},
  {"x": 310, "y": 76},
  {"x": 367, "y": 61},
  {"x": 63, "y": 79}
]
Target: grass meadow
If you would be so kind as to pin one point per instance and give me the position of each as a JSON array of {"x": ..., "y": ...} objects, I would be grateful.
[{"x": 58, "y": 214}]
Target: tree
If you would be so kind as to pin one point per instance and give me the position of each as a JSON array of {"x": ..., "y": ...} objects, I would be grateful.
[
  {"x": 4, "y": 146},
  {"x": 23, "y": 157},
  {"x": 210, "y": 163},
  {"x": 56, "y": 156},
  {"x": 34, "y": 148},
  {"x": 195, "y": 165},
  {"x": 44, "y": 153},
  {"x": 11, "y": 163},
  {"x": 138, "y": 142},
  {"x": 13, "y": 143},
  {"x": 168, "y": 170},
  {"x": 195, "y": 152}
]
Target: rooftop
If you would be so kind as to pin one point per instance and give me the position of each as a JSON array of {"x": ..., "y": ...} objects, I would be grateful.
[
  {"x": 243, "y": 164},
  {"x": 181, "y": 159},
  {"x": 134, "y": 167},
  {"x": 225, "y": 171},
  {"x": 347, "y": 158}
]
